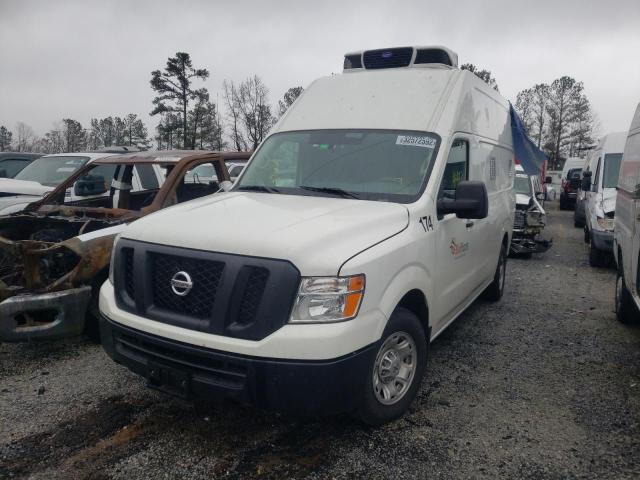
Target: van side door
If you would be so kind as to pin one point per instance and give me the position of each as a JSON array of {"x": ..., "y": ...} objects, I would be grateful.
[{"x": 455, "y": 249}]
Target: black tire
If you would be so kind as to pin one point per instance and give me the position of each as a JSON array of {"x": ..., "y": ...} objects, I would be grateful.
[
  {"x": 587, "y": 236},
  {"x": 597, "y": 258},
  {"x": 372, "y": 411},
  {"x": 563, "y": 206},
  {"x": 495, "y": 290},
  {"x": 626, "y": 310}
]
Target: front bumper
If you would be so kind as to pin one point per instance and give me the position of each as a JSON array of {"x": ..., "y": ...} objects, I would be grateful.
[
  {"x": 44, "y": 316},
  {"x": 602, "y": 240},
  {"x": 291, "y": 386},
  {"x": 522, "y": 243}
]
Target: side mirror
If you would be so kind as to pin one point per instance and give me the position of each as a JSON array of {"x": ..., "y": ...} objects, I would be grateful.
[
  {"x": 89, "y": 185},
  {"x": 471, "y": 201},
  {"x": 226, "y": 185},
  {"x": 585, "y": 185},
  {"x": 540, "y": 195},
  {"x": 548, "y": 179}
]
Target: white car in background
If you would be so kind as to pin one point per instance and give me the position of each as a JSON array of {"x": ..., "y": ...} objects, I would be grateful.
[{"x": 40, "y": 177}]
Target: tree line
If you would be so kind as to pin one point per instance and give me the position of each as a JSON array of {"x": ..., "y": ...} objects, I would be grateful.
[
  {"x": 188, "y": 117},
  {"x": 557, "y": 116}
]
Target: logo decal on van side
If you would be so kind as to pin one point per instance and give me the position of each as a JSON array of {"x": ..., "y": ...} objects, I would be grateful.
[{"x": 458, "y": 249}]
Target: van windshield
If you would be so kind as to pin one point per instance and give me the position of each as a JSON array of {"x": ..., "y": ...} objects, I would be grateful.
[
  {"x": 51, "y": 171},
  {"x": 611, "y": 169},
  {"x": 522, "y": 185},
  {"x": 382, "y": 165}
]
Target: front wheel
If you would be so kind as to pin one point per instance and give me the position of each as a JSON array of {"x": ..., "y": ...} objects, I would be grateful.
[
  {"x": 597, "y": 258},
  {"x": 495, "y": 290},
  {"x": 626, "y": 310},
  {"x": 396, "y": 372}
]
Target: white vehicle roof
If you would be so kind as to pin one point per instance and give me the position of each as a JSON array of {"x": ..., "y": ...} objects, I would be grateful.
[
  {"x": 572, "y": 162},
  {"x": 423, "y": 98},
  {"x": 613, "y": 142}
]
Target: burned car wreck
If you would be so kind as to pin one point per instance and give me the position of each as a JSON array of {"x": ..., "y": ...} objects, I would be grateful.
[
  {"x": 54, "y": 255},
  {"x": 530, "y": 216}
]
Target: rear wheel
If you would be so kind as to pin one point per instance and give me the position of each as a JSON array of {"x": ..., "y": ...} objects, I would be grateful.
[
  {"x": 626, "y": 310},
  {"x": 395, "y": 374},
  {"x": 495, "y": 290}
]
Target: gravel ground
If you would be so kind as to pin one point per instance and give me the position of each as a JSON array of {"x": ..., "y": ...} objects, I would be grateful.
[{"x": 543, "y": 385}]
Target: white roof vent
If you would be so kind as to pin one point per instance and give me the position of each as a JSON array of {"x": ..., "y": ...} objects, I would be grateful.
[{"x": 399, "y": 57}]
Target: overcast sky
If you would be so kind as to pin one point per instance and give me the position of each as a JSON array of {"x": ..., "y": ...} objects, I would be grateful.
[{"x": 83, "y": 59}]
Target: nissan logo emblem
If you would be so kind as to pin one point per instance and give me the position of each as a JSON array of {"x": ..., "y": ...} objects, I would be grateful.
[{"x": 181, "y": 284}]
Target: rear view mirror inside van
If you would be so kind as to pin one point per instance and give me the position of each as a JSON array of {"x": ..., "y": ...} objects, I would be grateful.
[{"x": 471, "y": 201}]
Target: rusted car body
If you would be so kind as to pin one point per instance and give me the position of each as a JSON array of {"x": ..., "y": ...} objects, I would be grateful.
[{"x": 55, "y": 255}]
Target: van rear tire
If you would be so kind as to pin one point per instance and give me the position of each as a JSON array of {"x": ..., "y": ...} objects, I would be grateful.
[
  {"x": 626, "y": 311},
  {"x": 495, "y": 290},
  {"x": 597, "y": 258},
  {"x": 403, "y": 347}
]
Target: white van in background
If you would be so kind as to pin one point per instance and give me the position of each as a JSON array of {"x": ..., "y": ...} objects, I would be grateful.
[
  {"x": 377, "y": 210},
  {"x": 599, "y": 182},
  {"x": 626, "y": 244}
]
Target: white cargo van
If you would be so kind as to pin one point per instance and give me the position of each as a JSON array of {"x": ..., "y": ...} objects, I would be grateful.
[
  {"x": 599, "y": 186},
  {"x": 376, "y": 211},
  {"x": 626, "y": 243}
]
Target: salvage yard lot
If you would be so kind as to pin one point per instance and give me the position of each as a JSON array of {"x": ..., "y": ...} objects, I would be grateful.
[{"x": 544, "y": 384}]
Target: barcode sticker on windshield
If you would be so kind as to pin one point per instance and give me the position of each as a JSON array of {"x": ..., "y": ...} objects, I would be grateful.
[{"x": 415, "y": 141}]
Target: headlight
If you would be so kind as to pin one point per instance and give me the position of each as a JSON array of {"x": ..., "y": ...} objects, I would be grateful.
[
  {"x": 535, "y": 219},
  {"x": 113, "y": 256},
  {"x": 328, "y": 299},
  {"x": 605, "y": 223}
]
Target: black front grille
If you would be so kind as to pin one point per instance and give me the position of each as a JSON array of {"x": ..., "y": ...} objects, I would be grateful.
[
  {"x": 129, "y": 284},
  {"x": 231, "y": 295},
  {"x": 519, "y": 221},
  {"x": 205, "y": 276},
  {"x": 252, "y": 295},
  {"x": 388, "y": 58}
]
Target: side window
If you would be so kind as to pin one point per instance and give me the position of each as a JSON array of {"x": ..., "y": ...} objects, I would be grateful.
[
  {"x": 200, "y": 181},
  {"x": 457, "y": 168},
  {"x": 147, "y": 176}
]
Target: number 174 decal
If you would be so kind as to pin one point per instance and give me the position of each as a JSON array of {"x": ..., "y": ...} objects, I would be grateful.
[{"x": 426, "y": 223}]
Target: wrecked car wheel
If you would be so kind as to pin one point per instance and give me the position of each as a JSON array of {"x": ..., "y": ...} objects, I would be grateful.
[
  {"x": 626, "y": 311},
  {"x": 396, "y": 371},
  {"x": 495, "y": 291}
]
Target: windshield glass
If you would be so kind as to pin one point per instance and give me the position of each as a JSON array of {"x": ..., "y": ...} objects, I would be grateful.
[
  {"x": 51, "y": 171},
  {"x": 522, "y": 185},
  {"x": 378, "y": 165},
  {"x": 611, "y": 169}
]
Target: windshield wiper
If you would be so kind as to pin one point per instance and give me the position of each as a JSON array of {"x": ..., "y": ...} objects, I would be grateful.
[
  {"x": 258, "y": 188},
  {"x": 331, "y": 190}
]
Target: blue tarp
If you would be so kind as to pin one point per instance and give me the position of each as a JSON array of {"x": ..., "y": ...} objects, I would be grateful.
[{"x": 527, "y": 154}]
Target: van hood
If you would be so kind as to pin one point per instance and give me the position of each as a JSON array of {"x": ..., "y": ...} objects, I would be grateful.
[
  {"x": 317, "y": 234},
  {"x": 15, "y": 203},
  {"x": 522, "y": 199},
  {"x": 23, "y": 187}
]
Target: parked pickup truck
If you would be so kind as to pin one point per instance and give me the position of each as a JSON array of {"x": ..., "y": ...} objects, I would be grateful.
[{"x": 55, "y": 254}]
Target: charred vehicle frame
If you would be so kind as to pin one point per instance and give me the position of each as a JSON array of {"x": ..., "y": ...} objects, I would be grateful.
[{"x": 54, "y": 255}]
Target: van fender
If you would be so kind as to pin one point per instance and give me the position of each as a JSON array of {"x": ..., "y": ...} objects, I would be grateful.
[{"x": 411, "y": 277}]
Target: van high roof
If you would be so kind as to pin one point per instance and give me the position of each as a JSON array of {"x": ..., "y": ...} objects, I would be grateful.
[
  {"x": 613, "y": 142},
  {"x": 434, "y": 98}
]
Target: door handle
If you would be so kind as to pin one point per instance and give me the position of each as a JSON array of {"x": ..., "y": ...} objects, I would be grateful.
[{"x": 470, "y": 224}]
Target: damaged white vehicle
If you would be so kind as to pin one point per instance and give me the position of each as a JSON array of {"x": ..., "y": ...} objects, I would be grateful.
[{"x": 530, "y": 216}]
